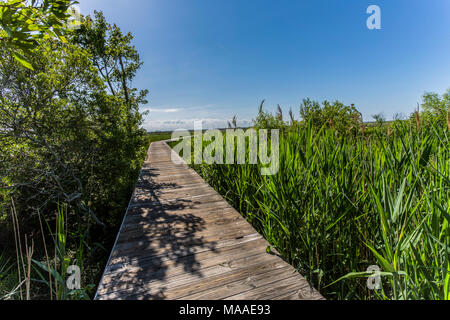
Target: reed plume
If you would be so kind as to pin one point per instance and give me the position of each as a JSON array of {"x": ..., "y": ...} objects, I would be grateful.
[
  {"x": 416, "y": 114},
  {"x": 279, "y": 113},
  {"x": 234, "y": 121},
  {"x": 260, "y": 110},
  {"x": 291, "y": 115}
]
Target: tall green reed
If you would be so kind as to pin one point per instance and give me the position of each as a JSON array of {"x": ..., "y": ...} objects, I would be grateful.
[
  {"x": 49, "y": 272},
  {"x": 342, "y": 203},
  {"x": 56, "y": 271}
]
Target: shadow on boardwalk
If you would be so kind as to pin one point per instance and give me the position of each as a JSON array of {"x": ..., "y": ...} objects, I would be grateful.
[
  {"x": 151, "y": 239},
  {"x": 182, "y": 240}
]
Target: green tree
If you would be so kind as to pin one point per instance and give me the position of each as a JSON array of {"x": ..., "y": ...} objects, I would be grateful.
[
  {"x": 24, "y": 23},
  {"x": 344, "y": 119},
  {"x": 312, "y": 112},
  {"x": 46, "y": 123},
  {"x": 70, "y": 133},
  {"x": 435, "y": 107},
  {"x": 116, "y": 59},
  {"x": 65, "y": 136},
  {"x": 380, "y": 119}
]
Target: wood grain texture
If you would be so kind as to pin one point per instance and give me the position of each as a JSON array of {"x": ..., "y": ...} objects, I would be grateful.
[{"x": 181, "y": 240}]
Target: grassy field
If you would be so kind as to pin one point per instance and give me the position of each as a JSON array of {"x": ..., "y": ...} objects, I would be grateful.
[
  {"x": 158, "y": 136},
  {"x": 340, "y": 204}
]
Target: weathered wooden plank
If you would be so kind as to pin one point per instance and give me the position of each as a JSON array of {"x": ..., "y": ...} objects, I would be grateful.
[
  {"x": 295, "y": 285},
  {"x": 192, "y": 250},
  {"x": 187, "y": 284},
  {"x": 233, "y": 229},
  {"x": 217, "y": 270},
  {"x": 174, "y": 206},
  {"x": 177, "y": 202},
  {"x": 198, "y": 261},
  {"x": 172, "y": 222},
  {"x": 161, "y": 196},
  {"x": 142, "y": 215},
  {"x": 181, "y": 240},
  {"x": 242, "y": 284}
]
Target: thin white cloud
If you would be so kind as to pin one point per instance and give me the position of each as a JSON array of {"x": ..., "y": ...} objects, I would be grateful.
[
  {"x": 176, "y": 108},
  {"x": 172, "y": 110},
  {"x": 188, "y": 124}
]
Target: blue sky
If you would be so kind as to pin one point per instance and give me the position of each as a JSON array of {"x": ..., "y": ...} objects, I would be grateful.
[{"x": 212, "y": 59}]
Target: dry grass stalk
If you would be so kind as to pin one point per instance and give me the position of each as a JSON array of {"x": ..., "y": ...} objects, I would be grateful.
[
  {"x": 291, "y": 115},
  {"x": 416, "y": 114},
  {"x": 29, "y": 253},
  {"x": 331, "y": 122},
  {"x": 448, "y": 119},
  {"x": 46, "y": 257},
  {"x": 56, "y": 256},
  {"x": 362, "y": 129},
  {"x": 234, "y": 121},
  {"x": 19, "y": 255}
]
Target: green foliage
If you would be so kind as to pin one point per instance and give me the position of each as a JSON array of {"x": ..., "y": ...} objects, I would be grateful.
[
  {"x": 158, "y": 136},
  {"x": 266, "y": 120},
  {"x": 435, "y": 107},
  {"x": 5, "y": 265},
  {"x": 341, "y": 203},
  {"x": 344, "y": 119},
  {"x": 70, "y": 134},
  {"x": 114, "y": 56},
  {"x": 54, "y": 273},
  {"x": 8, "y": 278},
  {"x": 25, "y": 23}
]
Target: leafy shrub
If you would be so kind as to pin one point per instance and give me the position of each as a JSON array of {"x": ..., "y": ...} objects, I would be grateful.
[
  {"x": 435, "y": 108},
  {"x": 336, "y": 115},
  {"x": 70, "y": 135},
  {"x": 266, "y": 120}
]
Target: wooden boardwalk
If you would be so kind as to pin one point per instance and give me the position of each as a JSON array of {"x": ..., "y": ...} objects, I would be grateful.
[{"x": 181, "y": 240}]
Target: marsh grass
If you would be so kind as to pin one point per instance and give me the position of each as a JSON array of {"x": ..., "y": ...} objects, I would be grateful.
[
  {"x": 8, "y": 278},
  {"x": 30, "y": 277},
  {"x": 341, "y": 203}
]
